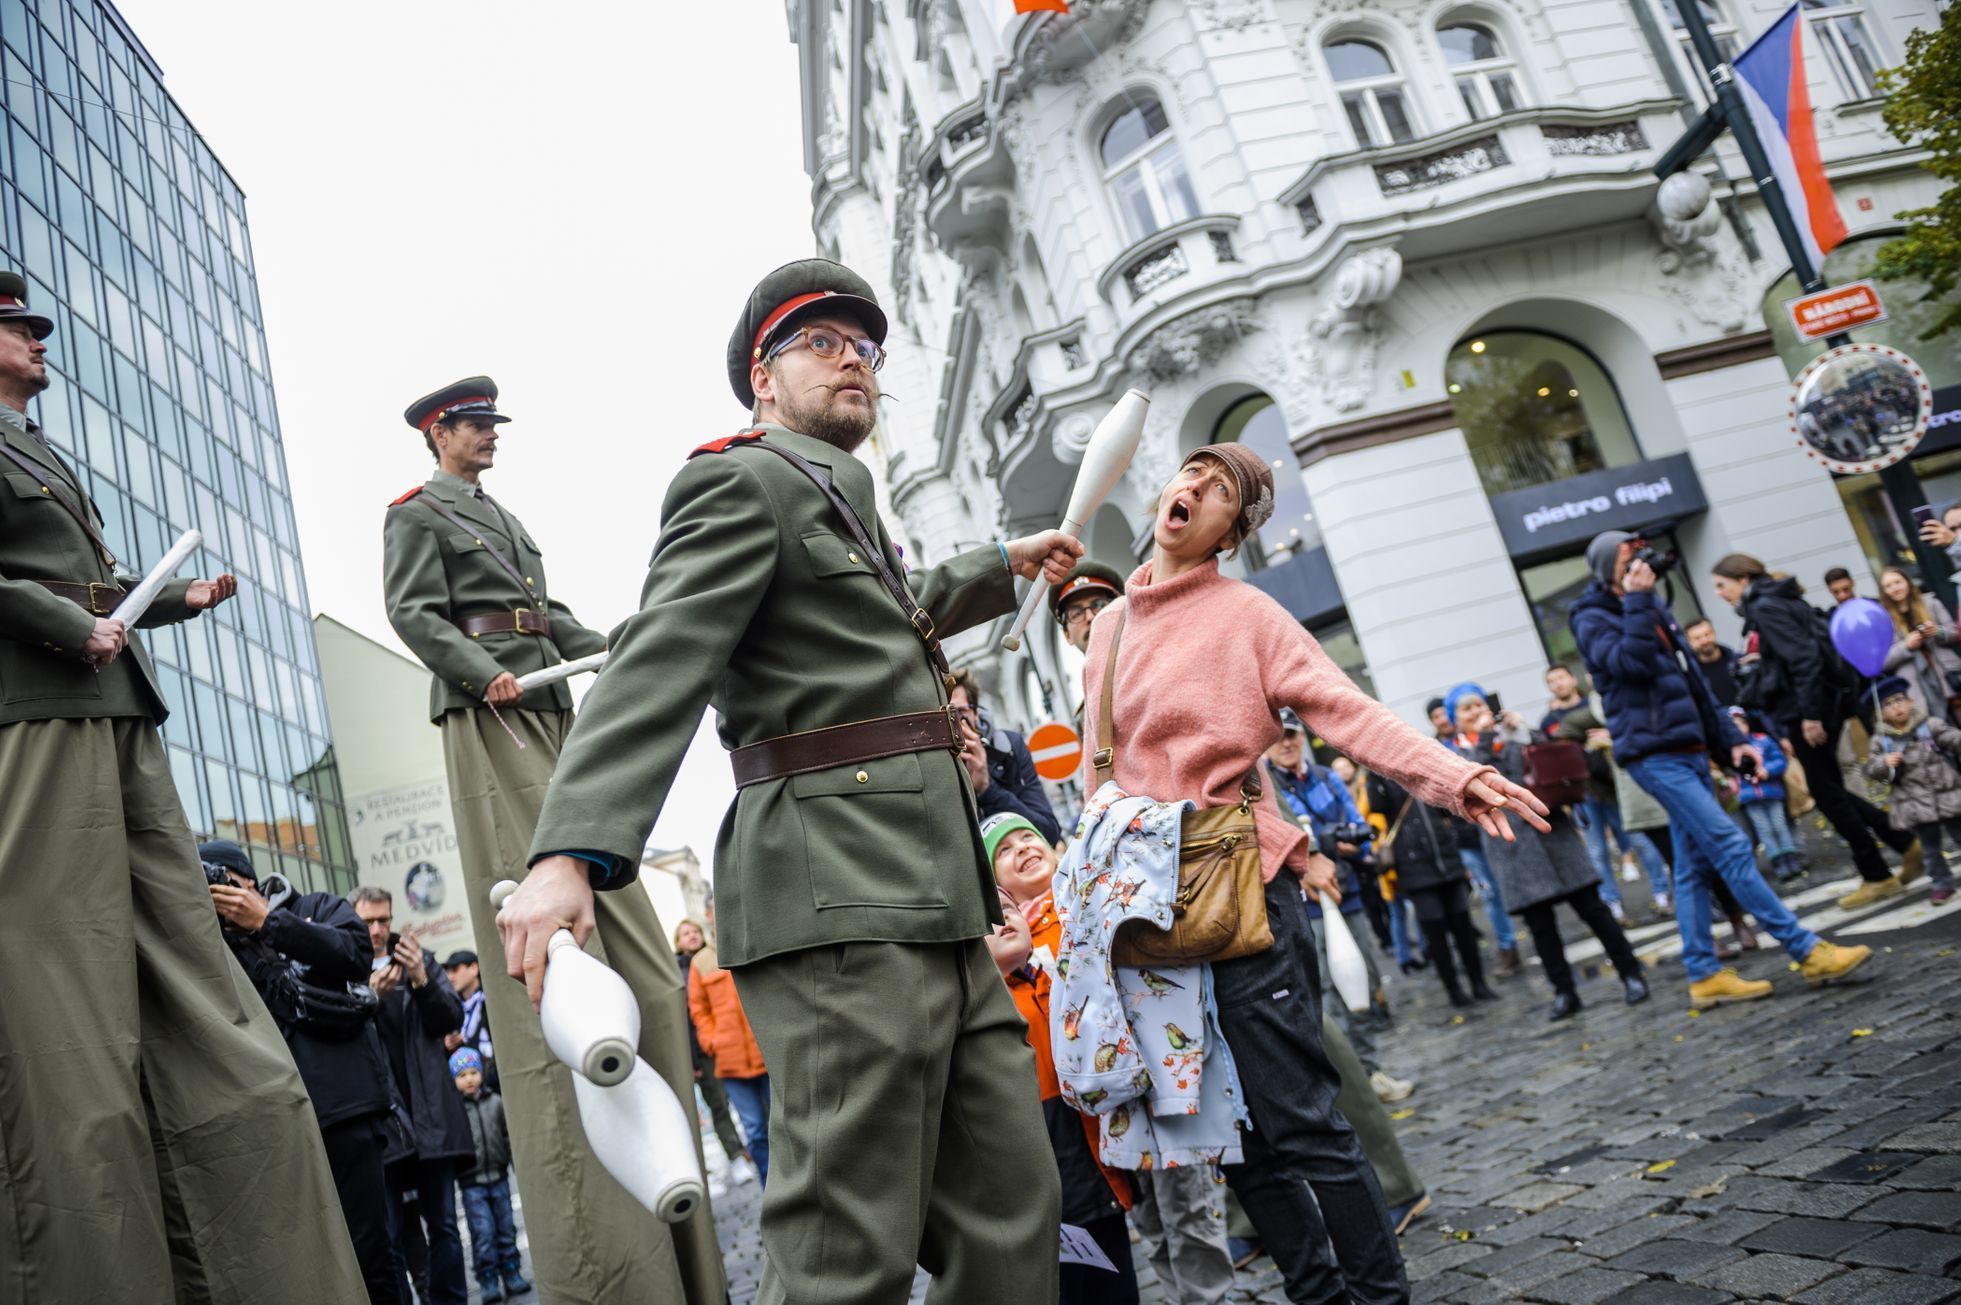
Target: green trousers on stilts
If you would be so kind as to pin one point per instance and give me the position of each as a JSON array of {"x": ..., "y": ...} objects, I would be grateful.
[
  {"x": 591, "y": 1243},
  {"x": 156, "y": 1143},
  {"x": 904, "y": 1126}
]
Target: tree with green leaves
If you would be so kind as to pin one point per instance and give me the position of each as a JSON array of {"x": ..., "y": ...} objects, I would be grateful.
[{"x": 1923, "y": 108}]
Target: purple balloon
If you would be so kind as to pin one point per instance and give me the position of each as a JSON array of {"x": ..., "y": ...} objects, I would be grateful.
[{"x": 1862, "y": 631}]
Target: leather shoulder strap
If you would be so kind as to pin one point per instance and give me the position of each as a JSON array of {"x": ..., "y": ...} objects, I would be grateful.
[
  {"x": 517, "y": 576},
  {"x": 1105, "y": 759},
  {"x": 80, "y": 514},
  {"x": 916, "y": 616}
]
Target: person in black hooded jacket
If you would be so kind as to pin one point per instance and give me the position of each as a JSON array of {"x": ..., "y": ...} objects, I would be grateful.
[
  {"x": 343, "y": 1068},
  {"x": 1804, "y": 685}
]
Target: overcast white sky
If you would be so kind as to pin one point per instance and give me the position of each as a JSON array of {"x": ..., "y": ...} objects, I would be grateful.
[{"x": 573, "y": 200}]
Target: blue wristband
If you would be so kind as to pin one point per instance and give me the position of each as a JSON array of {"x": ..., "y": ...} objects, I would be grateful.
[{"x": 1004, "y": 557}]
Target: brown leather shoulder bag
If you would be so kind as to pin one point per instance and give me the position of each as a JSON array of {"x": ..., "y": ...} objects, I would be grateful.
[{"x": 1220, "y": 909}]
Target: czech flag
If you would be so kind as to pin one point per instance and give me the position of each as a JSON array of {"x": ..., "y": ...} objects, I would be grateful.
[
  {"x": 1771, "y": 76},
  {"x": 1039, "y": 6}
]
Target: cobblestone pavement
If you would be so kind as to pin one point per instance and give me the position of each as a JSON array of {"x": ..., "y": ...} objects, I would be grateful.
[{"x": 1805, "y": 1148}]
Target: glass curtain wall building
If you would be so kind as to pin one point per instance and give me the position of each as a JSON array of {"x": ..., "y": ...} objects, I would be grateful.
[{"x": 133, "y": 239}]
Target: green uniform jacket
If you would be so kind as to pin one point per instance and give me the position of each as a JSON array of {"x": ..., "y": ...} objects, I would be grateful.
[
  {"x": 434, "y": 575},
  {"x": 757, "y": 601},
  {"x": 42, "y": 674}
]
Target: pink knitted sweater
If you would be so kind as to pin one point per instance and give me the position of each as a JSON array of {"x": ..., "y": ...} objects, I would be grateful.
[{"x": 1206, "y": 664}]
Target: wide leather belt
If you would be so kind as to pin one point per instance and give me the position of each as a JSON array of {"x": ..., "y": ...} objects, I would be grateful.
[
  {"x": 519, "y": 620},
  {"x": 844, "y": 745},
  {"x": 95, "y": 597}
]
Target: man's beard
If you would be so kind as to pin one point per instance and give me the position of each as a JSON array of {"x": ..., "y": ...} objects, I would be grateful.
[{"x": 820, "y": 415}]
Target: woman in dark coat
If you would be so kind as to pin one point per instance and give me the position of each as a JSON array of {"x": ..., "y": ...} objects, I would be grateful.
[
  {"x": 1539, "y": 871},
  {"x": 1431, "y": 873}
]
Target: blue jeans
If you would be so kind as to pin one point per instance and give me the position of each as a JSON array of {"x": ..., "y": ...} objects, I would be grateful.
[
  {"x": 1603, "y": 815},
  {"x": 1494, "y": 901},
  {"x": 1405, "y": 941},
  {"x": 493, "y": 1231},
  {"x": 1773, "y": 826},
  {"x": 1708, "y": 845},
  {"x": 750, "y": 1097}
]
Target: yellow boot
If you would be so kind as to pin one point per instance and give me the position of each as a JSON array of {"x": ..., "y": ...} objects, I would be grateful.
[
  {"x": 1867, "y": 893},
  {"x": 1726, "y": 985},
  {"x": 1829, "y": 961},
  {"x": 1912, "y": 862}
]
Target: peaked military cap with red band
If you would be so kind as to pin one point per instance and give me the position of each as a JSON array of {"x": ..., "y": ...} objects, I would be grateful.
[
  {"x": 474, "y": 396},
  {"x": 1088, "y": 577},
  {"x": 792, "y": 294},
  {"x": 13, "y": 306}
]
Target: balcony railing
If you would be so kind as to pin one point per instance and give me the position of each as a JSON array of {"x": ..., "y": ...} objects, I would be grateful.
[{"x": 1176, "y": 259}]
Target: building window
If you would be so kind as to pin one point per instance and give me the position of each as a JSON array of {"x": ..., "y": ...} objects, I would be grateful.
[
  {"x": 1372, "y": 94},
  {"x": 1534, "y": 409},
  {"x": 1145, "y": 171},
  {"x": 1720, "y": 28},
  {"x": 1849, "y": 47},
  {"x": 1485, "y": 78}
]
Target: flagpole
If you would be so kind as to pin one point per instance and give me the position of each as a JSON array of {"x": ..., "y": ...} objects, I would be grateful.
[
  {"x": 1736, "y": 116},
  {"x": 1899, "y": 482}
]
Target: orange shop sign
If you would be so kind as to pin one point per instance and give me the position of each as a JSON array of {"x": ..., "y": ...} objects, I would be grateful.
[{"x": 1837, "y": 308}]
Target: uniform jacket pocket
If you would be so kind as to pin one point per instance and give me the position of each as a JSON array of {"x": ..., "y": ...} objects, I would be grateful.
[{"x": 848, "y": 813}]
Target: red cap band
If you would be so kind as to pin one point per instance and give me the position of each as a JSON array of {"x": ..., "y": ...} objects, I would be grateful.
[
  {"x": 783, "y": 310},
  {"x": 444, "y": 411},
  {"x": 11, "y": 302},
  {"x": 1082, "y": 582}
]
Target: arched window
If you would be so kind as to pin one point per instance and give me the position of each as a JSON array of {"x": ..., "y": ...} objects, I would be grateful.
[
  {"x": 1535, "y": 408},
  {"x": 1840, "y": 26},
  {"x": 1371, "y": 92},
  {"x": 1720, "y": 27},
  {"x": 1145, "y": 171},
  {"x": 1484, "y": 73}
]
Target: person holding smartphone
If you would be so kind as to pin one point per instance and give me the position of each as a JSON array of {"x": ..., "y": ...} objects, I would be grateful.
[
  {"x": 417, "y": 1008},
  {"x": 1924, "y": 651}
]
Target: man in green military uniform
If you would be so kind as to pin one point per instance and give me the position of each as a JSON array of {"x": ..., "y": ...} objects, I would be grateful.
[
  {"x": 467, "y": 592},
  {"x": 850, "y": 878},
  {"x": 151, "y": 1120}
]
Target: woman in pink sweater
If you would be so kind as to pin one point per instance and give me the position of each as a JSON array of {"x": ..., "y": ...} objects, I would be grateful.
[{"x": 1204, "y": 666}]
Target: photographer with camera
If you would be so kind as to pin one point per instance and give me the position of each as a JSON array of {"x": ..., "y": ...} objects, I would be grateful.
[
  {"x": 1665, "y": 722},
  {"x": 418, "y": 1007},
  {"x": 307, "y": 956},
  {"x": 998, "y": 763}
]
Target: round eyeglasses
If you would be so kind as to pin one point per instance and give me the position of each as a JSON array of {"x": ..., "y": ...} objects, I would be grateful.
[{"x": 828, "y": 344}]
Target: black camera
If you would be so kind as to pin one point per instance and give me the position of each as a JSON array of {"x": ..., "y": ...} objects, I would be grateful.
[
  {"x": 1660, "y": 561},
  {"x": 216, "y": 875},
  {"x": 1347, "y": 833}
]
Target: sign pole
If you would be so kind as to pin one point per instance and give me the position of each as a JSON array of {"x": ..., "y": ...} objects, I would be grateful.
[{"x": 1898, "y": 482}]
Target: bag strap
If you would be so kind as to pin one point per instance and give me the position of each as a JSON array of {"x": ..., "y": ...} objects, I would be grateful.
[
  {"x": 916, "y": 616},
  {"x": 81, "y": 517},
  {"x": 1105, "y": 757},
  {"x": 516, "y": 575},
  {"x": 1396, "y": 825}
]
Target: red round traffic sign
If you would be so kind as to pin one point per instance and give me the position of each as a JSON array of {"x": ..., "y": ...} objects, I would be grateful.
[{"x": 1057, "y": 749}]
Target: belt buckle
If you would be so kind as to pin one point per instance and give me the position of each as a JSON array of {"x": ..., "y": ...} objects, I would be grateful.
[
  {"x": 116, "y": 590},
  {"x": 954, "y": 742},
  {"x": 521, "y": 614},
  {"x": 923, "y": 623}
]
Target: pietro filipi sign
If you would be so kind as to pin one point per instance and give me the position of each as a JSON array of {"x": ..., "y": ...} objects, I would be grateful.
[{"x": 1572, "y": 511}]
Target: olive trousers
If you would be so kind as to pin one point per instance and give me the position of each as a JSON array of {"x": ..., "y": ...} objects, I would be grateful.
[
  {"x": 156, "y": 1142},
  {"x": 591, "y": 1242},
  {"x": 905, "y": 1128}
]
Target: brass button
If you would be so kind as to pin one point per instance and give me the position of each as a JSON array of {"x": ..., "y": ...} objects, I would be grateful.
[
  {"x": 863, "y": 778},
  {"x": 528, "y": 580},
  {"x": 479, "y": 543},
  {"x": 468, "y": 685},
  {"x": 851, "y": 558},
  {"x": 46, "y": 490}
]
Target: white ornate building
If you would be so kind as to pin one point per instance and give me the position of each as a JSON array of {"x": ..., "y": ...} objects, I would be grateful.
[{"x": 1409, "y": 249}]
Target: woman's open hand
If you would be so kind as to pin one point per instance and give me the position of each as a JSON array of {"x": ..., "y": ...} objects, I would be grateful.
[{"x": 1490, "y": 795}]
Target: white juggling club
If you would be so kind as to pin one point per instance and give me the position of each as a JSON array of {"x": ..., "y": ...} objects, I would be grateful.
[
  {"x": 634, "y": 1122},
  {"x": 642, "y": 1134},
  {"x": 1345, "y": 964},
  {"x": 1111, "y": 447},
  {"x": 130, "y": 610},
  {"x": 562, "y": 671}
]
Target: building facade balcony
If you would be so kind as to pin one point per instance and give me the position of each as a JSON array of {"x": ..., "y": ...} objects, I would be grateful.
[
  {"x": 1178, "y": 261},
  {"x": 968, "y": 178},
  {"x": 1527, "y": 173}
]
